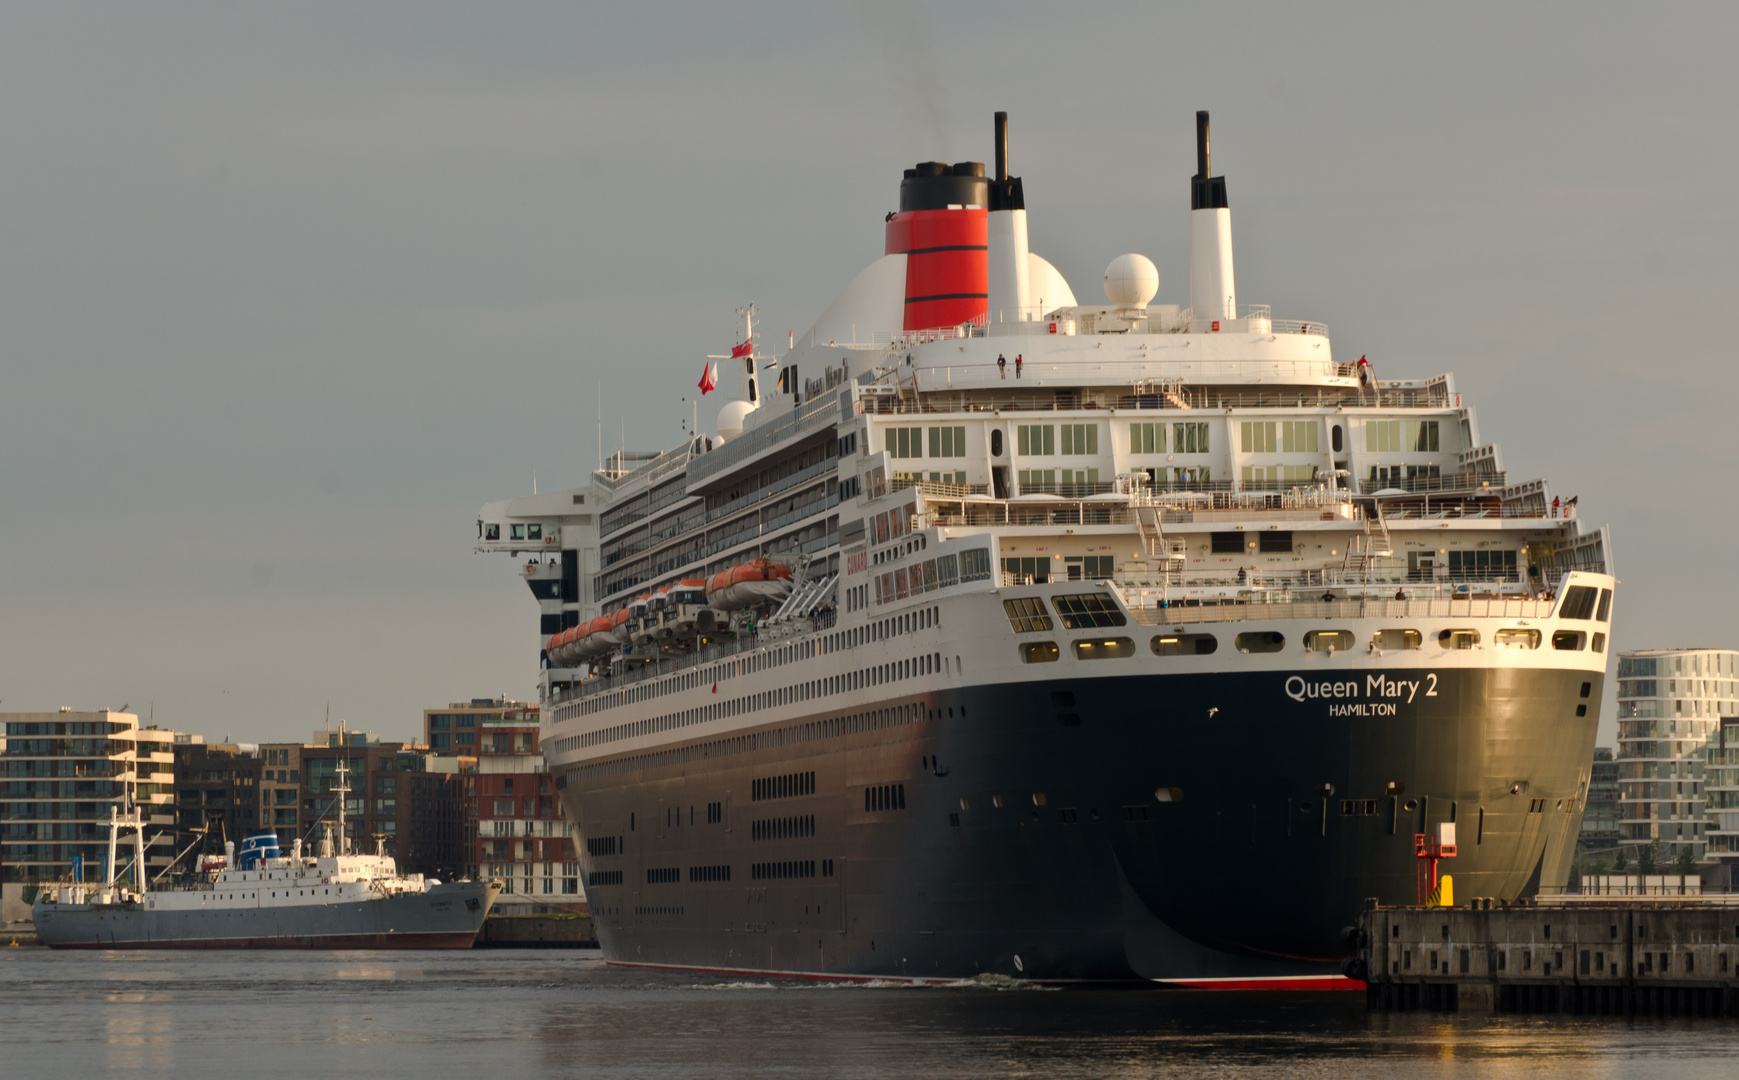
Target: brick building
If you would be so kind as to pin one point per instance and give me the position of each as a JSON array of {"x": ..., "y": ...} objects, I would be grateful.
[{"x": 514, "y": 823}]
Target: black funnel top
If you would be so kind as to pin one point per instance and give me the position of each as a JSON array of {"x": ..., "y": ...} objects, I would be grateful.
[{"x": 1206, "y": 192}]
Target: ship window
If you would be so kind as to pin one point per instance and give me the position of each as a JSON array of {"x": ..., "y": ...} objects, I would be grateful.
[
  {"x": 996, "y": 442},
  {"x": 1599, "y": 644},
  {"x": 1396, "y": 639},
  {"x": 1183, "y": 644},
  {"x": 1276, "y": 542},
  {"x": 1227, "y": 543},
  {"x": 1458, "y": 639},
  {"x": 1104, "y": 649},
  {"x": 1260, "y": 641},
  {"x": 1086, "y": 610},
  {"x": 1579, "y": 601},
  {"x": 1568, "y": 640},
  {"x": 1326, "y": 640},
  {"x": 1604, "y": 611},
  {"x": 1039, "y": 652},
  {"x": 1513, "y": 638}
]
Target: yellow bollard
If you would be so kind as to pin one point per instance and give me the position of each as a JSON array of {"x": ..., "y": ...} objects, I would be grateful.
[{"x": 1444, "y": 894}]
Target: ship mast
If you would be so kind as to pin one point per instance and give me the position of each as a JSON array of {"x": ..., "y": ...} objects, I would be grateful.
[{"x": 342, "y": 789}]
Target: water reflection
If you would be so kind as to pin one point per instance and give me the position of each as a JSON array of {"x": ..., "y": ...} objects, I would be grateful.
[{"x": 560, "y": 1014}]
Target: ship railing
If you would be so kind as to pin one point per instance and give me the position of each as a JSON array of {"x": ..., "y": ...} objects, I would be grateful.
[
  {"x": 1183, "y": 614},
  {"x": 959, "y": 394},
  {"x": 1442, "y": 482},
  {"x": 784, "y": 483}
]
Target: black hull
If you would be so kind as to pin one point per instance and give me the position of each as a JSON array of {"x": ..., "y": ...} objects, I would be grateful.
[{"x": 1248, "y": 875}]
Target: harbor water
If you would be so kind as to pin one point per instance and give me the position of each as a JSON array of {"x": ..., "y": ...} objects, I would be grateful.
[{"x": 561, "y": 1013}]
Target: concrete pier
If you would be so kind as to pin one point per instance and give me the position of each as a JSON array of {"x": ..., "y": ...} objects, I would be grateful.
[
  {"x": 537, "y": 932},
  {"x": 1611, "y": 955}
]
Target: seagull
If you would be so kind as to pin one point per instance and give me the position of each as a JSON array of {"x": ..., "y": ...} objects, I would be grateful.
[{"x": 1212, "y": 711}]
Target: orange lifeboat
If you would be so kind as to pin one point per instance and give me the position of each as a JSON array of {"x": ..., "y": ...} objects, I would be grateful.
[
  {"x": 590, "y": 638},
  {"x": 563, "y": 648},
  {"x": 759, "y": 582}
]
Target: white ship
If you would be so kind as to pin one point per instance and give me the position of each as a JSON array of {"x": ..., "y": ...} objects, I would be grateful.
[
  {"x": 260, "y": 899},
  {"x": 998, "y": 632}
]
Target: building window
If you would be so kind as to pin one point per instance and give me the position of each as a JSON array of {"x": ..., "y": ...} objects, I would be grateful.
[
  {"x": 1035, "y": 440},
  {"x": 904, "y": 442},
  {"x": 1080, "y": 438},
  {"x": 1406, "y": 436},
  {"x": 1147, "y": 438},
  {"x": 948, "y": 442},
  {"x": 1191, "y": 438}
]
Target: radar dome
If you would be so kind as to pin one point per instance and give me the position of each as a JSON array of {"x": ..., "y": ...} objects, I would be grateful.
[
  {"x": 1131, "y": 281},
  {"x": 731, "y": 417}
]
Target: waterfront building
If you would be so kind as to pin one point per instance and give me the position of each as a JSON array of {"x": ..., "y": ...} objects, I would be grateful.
[
  {"x": 1670, "y": 704},
  {"x": 514, "y": 825},
  {"x": 401, "y": 795},
  {"x": 217, "y": 789},
  {"x": 454, "y": 729},
  {"x": 63, "y": 772},
  {"x": 1600, "y": 832},
  {"x": 1721, "y": 789}
]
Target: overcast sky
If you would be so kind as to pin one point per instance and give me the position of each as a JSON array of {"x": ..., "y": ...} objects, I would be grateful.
[{"x": 288, "y": 291}]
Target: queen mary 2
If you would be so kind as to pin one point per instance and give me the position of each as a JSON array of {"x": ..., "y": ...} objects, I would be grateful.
[{"x": 997, "y": 632}]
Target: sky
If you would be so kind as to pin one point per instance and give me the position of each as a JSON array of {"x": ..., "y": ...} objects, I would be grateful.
[{"x": 288, "y": 291}]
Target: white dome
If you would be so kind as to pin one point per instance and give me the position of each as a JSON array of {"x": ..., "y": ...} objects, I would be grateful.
[
  {"x": 731, "y": 417},
  {"x": 1131, "y": 281}
]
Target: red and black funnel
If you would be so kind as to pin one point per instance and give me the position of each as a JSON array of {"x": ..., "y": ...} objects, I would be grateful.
[{"x": 943, "y": 230}]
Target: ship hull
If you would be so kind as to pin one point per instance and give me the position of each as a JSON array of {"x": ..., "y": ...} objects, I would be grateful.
[
  {"x": 1242, "y": 876},
  {"x": 448, "y": 916}
]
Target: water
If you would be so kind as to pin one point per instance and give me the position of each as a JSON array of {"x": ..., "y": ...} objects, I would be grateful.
[{"x": 517, "y": 1014}]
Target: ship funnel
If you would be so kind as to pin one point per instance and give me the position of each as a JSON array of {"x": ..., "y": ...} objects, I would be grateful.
[
  {"x": 1010, "y": 268},
  {"x": 940, "y": 229},
  {"x": 1213, "y": 292}
]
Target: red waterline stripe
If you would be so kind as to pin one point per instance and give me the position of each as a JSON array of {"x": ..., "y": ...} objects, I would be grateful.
[{"x": 1276, "y": 982}]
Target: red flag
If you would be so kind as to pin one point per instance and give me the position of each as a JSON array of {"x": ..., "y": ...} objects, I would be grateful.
[
  {"x": 709, "y": 379},
  {"x": 715, "y": 688},
  {"x": 738, "y": 351}
]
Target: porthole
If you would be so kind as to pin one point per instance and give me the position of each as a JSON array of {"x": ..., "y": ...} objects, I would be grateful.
[
  {"x": 1104, "y": 649},
  {"x": 1458, "y": 639},
  {"x": 1260, "y": 641},
  {"x": 1039, "y": 652},
  {"x": 1394, "y": 640},
  {"x": 1183, "y": 644},
  {"x": 1328, "y": 640}
]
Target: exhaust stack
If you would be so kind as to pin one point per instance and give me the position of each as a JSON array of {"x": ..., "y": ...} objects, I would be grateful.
[
  {"x": 1213, "y": 291},
  {"x": 1010, "y": 272}
]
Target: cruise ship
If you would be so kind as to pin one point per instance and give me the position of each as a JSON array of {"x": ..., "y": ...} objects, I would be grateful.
[{"x": 992, "y": 631}]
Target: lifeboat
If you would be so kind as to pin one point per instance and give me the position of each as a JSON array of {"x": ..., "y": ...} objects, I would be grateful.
[
  {"x": 616, "y": 634},
  {"x": 591, "y": 639},
  {"x": 759, "y": 582},
  {"x": 561, "y": 647}
]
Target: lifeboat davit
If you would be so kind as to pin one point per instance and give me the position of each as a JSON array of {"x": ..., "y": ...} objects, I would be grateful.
[
  {"x": 642, "y": 620},
  {"x": 759, "y": 582},
  {"x": 683, "y": 608}
]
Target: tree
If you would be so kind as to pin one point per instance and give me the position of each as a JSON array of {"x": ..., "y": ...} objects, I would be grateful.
[
  {"x": 1648, "y": 858},
  {"x": 1618, "y": 860},
  {"x": 1686, "y": 863}
]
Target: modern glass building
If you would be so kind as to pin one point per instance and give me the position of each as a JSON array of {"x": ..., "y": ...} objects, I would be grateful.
[
  {"x": 1721, "y": 788},
  {"x": 60, "y": 775},
  {"x": 1670, "y": 705}
]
